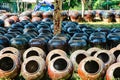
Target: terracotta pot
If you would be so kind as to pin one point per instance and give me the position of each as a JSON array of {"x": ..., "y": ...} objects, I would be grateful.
[
  {"x": 106, "y": 57},
  {"x": 9, "y": 66},
  {"x": 60, "y": 68},
  {"x": 15, "y": 18},
  {"x": 37, "y": 14},
  {"x": 115, "y": 51},
  {"x": 33, "y": 68},
  {"x": 8, "y": 22},
  {"x": 11, "y": 50},
  {"x": 34, "y": 19},
  {"x": 91, "y": 68},
  {"x": 75, "y": 16},
  {"x": 22, "y": 18},
  {"x": 34, "y": 51},
  {"x": 47, "y": 14},
  {"x": 92, "y": 51},
  {"x": 113, "y": 72},
  {"x": 55, "y": 53},
  {"x": 76, "y": 57}
]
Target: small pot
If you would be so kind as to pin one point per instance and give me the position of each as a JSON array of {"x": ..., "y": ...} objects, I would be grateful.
[
  {"x": 33, "y": 68},
  {"x": 34, "y": 51},
  {"x": 60, "y": 68},
  {"x": 76, "y": 57}
]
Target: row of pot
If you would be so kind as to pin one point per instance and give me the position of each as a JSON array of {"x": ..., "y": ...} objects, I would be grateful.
[{"x": 92, "y": 64}]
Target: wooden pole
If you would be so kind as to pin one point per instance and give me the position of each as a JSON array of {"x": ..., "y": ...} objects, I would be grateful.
[
  {"x": 57, "y": 16},
  {"x": 83, "y": 7}
]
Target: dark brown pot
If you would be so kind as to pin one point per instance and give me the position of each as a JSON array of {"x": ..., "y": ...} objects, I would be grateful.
[
  {"x": 33, "y": 68},
  {"x": 60, "y": 68},
  {"x": 9, "y": 66},
  {"x": 76, "y": 57},
  {"x": 34, "y": 51},
  {"x": 91, "y": 68}
]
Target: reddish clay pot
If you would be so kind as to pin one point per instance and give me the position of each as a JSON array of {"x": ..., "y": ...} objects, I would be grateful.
[
  {"x": 91, "y": 68},
  {"x": 36, "y": 19},
  {"x": 76, "y": 57},
  {"x": 33, "y": 68},
  {"x": 15, "y": 18},
  {"x": 92, "y": 51},
  {"x": 55, "y": 53},
  {"x": 113, "y": 72},
  {"x": 8, "y": 22},
  {"x": 9, "y": 66},
  {"x": 118, "y": 58},
  {"x": 21, "y": 18},
  {"x": 48, "y": 14},
  {"x": 60, "y": 68},
  {"x": 37, "y": 14},
  {"x": 106, "y": 57},
  {"x": 34, "y": 51}
]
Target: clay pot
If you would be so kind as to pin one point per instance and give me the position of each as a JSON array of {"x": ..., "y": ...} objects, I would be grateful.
[
  {"x": 106, "y": 57},
  {"x": 76, "y": 57},
  {"x": 34, "y": 51},
  {"x": 9, "y": 22},
  {"x": 36, "y": 19},
  {"x": 64, "y": 16},
  {"x": 54, "y": 53},
  {"x": 92, "y": 51},
  {"x": 113, "y": 72},
  {"x": 91, "y": 68},
  {"x": 107, "y": 17},
  {"x": 22, "y": 18},
  {"x": 89, "y": 16},
  {"x": 37, "y": 14},
  {"x": 75, "y": 16},
  {"x": 9, "y": 66},
  {"x": 48, "y": 14},
  {"x": 15, "y": 18},
  {"x": 117, "y": 17},
  {"x": 11, "y": 50},
  {"x": 33, "y": 68},
  {"x": 60, "y": 68},
  {"x": 115, "y": 51}
]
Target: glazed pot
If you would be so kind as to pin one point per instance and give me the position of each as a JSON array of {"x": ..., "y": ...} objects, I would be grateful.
[
  {"x": 34, "y": 51},
  {"x": 39, "y": 42},
  {"x": 9, "y": 65},
  {"x": 113, "y": 72},
  {"x": 2, "y": 23},
  {"x": 60, "y": 68},
  {"x": 76, "y": 57},
  {"x": 91, "y": 68},
  {"x": 4, "y": 41},
  {"x": 33, "y": 68},
  {"x": 55, "y": 53},
  {"x": 92, "y": 51},
  {"x": 106, "y": 57}
]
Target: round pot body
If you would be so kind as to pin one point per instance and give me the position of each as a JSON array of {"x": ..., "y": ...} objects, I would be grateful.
[
  {"x": 60, "y": 68},
  {"x": 91, "y": 68},
  {"x": 33, "y": 68},
  {"x": 9, "y": 66}
]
